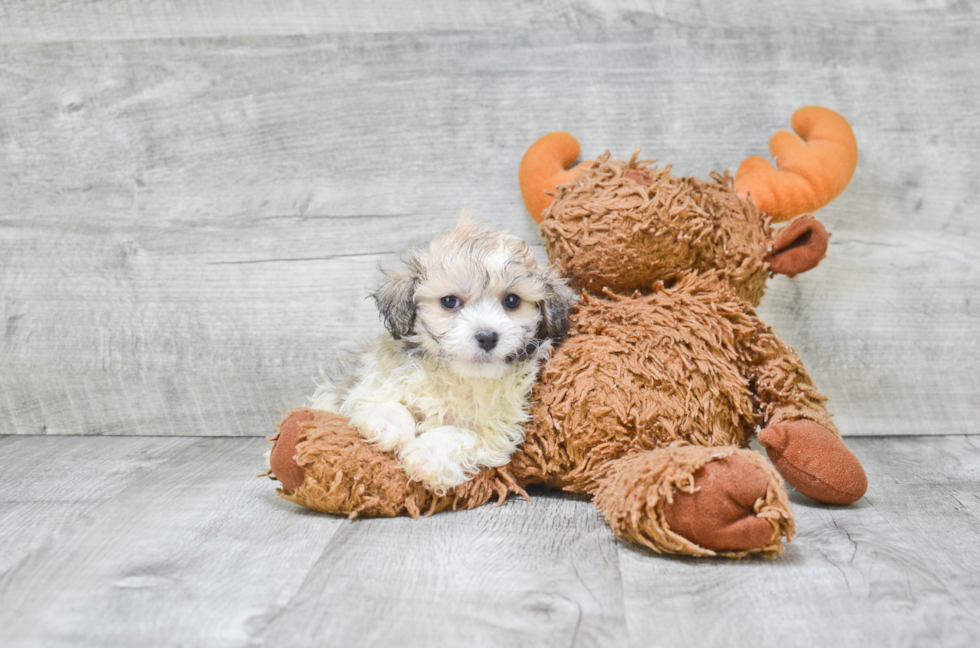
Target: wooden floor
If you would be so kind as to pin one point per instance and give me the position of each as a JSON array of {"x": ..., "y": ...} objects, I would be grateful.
[
  {"x": 194, "y": 200},
  {"x": 172, "y": 541}
]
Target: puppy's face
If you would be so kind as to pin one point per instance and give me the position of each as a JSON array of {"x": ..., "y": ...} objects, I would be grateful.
[{"x": 476, "y": 298}]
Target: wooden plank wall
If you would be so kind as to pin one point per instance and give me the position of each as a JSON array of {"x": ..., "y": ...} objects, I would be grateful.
[{"x": 195, "y": 196}]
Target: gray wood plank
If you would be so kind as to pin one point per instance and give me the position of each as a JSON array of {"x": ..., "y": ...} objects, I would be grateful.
[
  {"x": 197, "y": 551},
  {"x": 49, "y": 484},
  {"x": 538, "y": 573},
  {"x": 189, "y": 227},
  {"x": 54, "y": 20},
  {"x": 50, "y": 20},
  {"x": 175, "y": 543}
]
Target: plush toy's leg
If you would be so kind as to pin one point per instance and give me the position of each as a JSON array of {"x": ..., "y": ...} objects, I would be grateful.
[
  {"x": 798, "y": 434},
  {"x": 815, "y": 461},
  {"x": 695, "y": 500},
  {"x": 324, "y": 464}
]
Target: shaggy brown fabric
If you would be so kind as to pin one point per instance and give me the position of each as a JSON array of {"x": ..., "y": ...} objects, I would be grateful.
[
  {"x": 637, "y": 373},
  {"x": 783, "y": 390},
  {"x": 343, "y": 474},
  {"x": 665, "y": 374},
  {"x": 637, "y": 494},
  {"x": 691, "y": 362},
  {"x": 623, "y": 225},
  {"x": 815, "y": 462}
]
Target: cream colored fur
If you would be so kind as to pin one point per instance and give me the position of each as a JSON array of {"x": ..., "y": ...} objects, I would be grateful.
[
  {"x": 428, "y": 390},
  {"x": 444, "y": 426}
]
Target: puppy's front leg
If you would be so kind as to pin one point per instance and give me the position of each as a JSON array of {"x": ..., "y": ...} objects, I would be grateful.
[
  {"x": 390, "y": 426},
  {"x": 441, "y": 457}
]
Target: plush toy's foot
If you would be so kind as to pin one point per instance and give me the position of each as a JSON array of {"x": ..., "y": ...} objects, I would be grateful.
[
  {"x": 719, "y": 513},
  {"x": 695, "y": 500},
  {"x": 815, "y": 461},
  {"x": 324, "y": 464},
  {"x": 283, "y": 457}
]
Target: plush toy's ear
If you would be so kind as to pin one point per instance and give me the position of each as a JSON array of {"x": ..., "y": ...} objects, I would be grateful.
[
  {"x": 798, "y": 247},
  {"x": 555, "y": 308},
  {"x": 546, "y": 164},
  {"x": 396, "y": 302}
]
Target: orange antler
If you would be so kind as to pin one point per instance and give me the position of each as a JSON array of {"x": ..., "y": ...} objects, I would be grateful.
[
  {"x": 545, "y": 165},
  {"x": 813, "y": 168}
]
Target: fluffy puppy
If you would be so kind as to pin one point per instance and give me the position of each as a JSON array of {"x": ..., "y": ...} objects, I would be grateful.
[{"x": 469, "y": 319}]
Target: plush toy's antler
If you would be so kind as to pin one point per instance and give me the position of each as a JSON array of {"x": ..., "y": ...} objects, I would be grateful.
[
  {"x": 812, "y": 168},
  {"x": 545, "y": 165}
]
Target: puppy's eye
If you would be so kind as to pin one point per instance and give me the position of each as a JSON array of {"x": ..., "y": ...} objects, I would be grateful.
[
  {"x": 512, "y": 302},
  {"x": 451, "y": 302}
]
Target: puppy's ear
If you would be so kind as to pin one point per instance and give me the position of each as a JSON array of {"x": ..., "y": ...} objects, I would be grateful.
[
  {"x": 555, "y": 308},
  {"x": 396, "y": 302}
]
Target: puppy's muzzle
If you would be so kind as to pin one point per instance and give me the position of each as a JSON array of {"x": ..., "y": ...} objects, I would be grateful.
[{"x": 487, "y": 340}]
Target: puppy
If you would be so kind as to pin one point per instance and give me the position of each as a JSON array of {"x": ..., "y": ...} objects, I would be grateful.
[{"x": 469, "y": 319}]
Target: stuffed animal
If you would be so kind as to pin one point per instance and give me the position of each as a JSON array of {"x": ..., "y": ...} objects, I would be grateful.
[{"x": 667, "y": 370}]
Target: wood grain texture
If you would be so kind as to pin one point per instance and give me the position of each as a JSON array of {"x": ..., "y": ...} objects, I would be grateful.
[
  {"x": 194, "y": 205},
  {"x": 55, "y": 20},
  {"x": 193, "y": 550},
  {"x": 51, "y": 20},
  {"x": 448, "y": 583},
  {"x": 52, "y": 485},
  {"x": 172, "y": 541}
]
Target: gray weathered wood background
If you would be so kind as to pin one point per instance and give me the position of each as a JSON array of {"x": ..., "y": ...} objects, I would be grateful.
[
  {"x": 196, "y": 196},
  {"x": 194, "y": 200}
]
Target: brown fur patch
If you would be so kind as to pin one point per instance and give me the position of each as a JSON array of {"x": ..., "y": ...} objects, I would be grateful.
[
  {"x": 640, "y": 372},
  {"x": 622, "y": 225},
  {"x": 346, "y": 475},
  {"x": 634, "y": 495}
]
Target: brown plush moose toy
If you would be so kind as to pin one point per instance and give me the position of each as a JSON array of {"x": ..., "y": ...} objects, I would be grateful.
[{"x": 667, "y": 370}]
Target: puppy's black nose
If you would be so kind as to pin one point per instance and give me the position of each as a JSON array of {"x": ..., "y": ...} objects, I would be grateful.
[{"x": 487, "y": 340}]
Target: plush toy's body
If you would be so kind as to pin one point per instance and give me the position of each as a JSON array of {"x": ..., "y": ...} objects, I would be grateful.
[{"x": 665, "y": 374}]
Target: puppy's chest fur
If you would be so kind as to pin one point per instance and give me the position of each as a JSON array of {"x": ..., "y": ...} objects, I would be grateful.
[{"x": 493, "y": 408}]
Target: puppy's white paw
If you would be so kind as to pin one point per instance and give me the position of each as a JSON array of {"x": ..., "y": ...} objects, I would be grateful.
[
  {"x": 390, "y": 426},
  {"x": 438, "y": 458}
]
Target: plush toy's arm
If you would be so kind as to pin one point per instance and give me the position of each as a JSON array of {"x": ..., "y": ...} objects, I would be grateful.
[
  {"x": 799, "y": 437},
  {"x": 325, "y": 465},
  {"x": 783, "y": 388}
]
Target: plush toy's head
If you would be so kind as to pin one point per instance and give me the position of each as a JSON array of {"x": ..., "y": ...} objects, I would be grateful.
[{"x": 624, "y": 225}]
